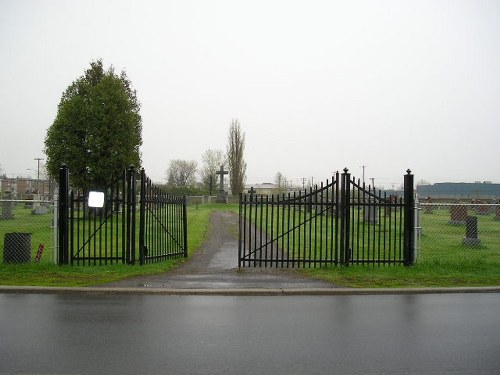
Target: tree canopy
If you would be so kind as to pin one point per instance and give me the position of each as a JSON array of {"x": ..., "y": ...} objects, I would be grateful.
[
  {"x": 211, "y": 162},
  {"x": 181, "y": 174},
  {"x": 97, "y": 131}
]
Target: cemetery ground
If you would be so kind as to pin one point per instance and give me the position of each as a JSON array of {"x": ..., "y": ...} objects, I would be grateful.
[{"x": 443, "y": 260}]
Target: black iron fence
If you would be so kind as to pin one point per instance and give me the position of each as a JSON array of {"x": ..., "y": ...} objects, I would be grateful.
[
  {"x": 342, "y": 222},
  {"x": 163, "y": 223},
  {"x": 108, "y": 231}
]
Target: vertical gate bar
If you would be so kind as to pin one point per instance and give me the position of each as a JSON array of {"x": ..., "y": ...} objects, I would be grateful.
[
  {"x": 131, "y": 207},
  {"x": 374, "y": 229},
  {"x": 106, "y": 245},
  {"x": 288, "y": 231},
  {"x": 409, "y": 219},
  {"x": 279, "y": 230},
  {"x": 263, "y": 236},
  {"x": 246, "y": 233},
  {"x": 74, "y": 221},
  {"x": 142, "y": 218},
  {"x": 267, "y": 223},
  {"x": 85, "y": 234},
  {"x": 156, "y": 226},
  {"x": 244, "y": 254},
  {"x": 352, "y": 219},
  {"x": 342, "y": 217},
  {"x": 401, "y": 232},
  {"x": 240, "y": 228},
  {"x": 346, "y": 186},
  {"x": 255, "y": 230},
  {"x": 293, "y": 229},
  {"x": 379, "y": 234},
  {"x": 299, "y": 227},
  {"x": 309, "y": 252},
  {"x": 282, "y": 234},
  {"x": 363, "y": 232},
  {"x": 93, "y": 212},
  {"x": 324, "y": 212},
  {"x": 185, "y": 226},
  {"x": 393, "y": 212},
  {"x": 385, "y": 226},
  {"x": 348, "y": 222},
  {"x": 271, "y": 220},
  {"x": 358, "y": 197},
  {"x": 250, "y": 249},
  {"x": 369, "y": 239},
  {"x": 337, "y": 213},
  {"x": 320, "y": 211},
  {"x": 261, "y": 223},
  {"x": 331, "y": 219}
]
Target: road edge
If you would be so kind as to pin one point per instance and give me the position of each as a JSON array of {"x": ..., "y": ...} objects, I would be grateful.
[{"x": 246, "y": 291}]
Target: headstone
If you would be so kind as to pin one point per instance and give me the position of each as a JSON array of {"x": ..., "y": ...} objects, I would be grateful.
[
  {"x": 6, "y": 207},
  {"x": 458, "y": 215},
  {"x": 371, "y": 214},
  {"x": 428, "y": 208},
  {"x": 251, "y": 191},
  {"x": 470, "y": 238},
  {"x": 482, "y": 209},
  {"x": 222, "y": 196},
  {"x": 40, "y": 210}
]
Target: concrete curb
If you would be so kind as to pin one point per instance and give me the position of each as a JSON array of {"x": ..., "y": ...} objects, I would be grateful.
[{"x": 245, "y": 292}]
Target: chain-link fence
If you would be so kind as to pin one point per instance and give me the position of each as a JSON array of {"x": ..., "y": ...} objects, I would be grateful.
[
  {"x": 455, "y": 233},
  {"x": 27, "y": 231}
]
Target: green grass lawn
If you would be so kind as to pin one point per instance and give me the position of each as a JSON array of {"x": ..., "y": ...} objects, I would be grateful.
[{"x": 444, "y": 261}]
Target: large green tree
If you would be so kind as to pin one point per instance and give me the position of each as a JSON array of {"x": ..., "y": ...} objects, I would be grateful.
[{"x": 98, "y": 129}]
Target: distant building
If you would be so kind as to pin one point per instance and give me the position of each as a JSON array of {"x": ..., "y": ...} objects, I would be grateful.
[
  {"x": 24, "y": 188},
  {"x": 460, "y": 190}
]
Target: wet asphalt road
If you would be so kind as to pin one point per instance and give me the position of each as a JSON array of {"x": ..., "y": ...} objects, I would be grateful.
[
  {"x": 154, "y": 334},
  {"x": 215, "y": 266}
]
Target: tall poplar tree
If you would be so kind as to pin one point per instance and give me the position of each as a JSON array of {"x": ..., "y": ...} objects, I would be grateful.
[{"x": 237, "y": 165}]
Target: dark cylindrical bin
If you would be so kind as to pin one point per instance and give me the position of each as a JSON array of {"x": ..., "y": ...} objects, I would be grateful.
[{"x": 17, "y": 248}]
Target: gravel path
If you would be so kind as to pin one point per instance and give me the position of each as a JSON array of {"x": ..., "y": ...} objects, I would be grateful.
[{"x": 215, "y": 266}]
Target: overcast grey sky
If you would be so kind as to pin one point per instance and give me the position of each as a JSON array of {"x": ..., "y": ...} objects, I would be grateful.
[{"x": 316, "y": 85}]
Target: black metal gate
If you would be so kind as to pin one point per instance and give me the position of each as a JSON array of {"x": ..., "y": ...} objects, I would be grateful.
[
  {"x": 111, "y": 233},
  {"x": 341, "y": 222}
]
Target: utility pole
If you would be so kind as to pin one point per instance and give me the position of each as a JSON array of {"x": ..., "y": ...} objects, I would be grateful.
[
  {"x": 363, "y": 166},
  {"x": 38, "y": 176}
]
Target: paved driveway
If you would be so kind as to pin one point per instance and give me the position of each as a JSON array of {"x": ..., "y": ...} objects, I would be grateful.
[{"x": 215, "y": 266}]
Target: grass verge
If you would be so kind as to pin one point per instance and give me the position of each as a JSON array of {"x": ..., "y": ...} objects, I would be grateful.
[{"x": 418, "y": 276}]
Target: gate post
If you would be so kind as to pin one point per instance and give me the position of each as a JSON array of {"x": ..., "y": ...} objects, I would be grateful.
[
  {"x": 345, "y": 188},
  {"x": 185, "y": 225},
  {"x": 63, "y": 235},
  {"x": 409, "y": 220}
]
